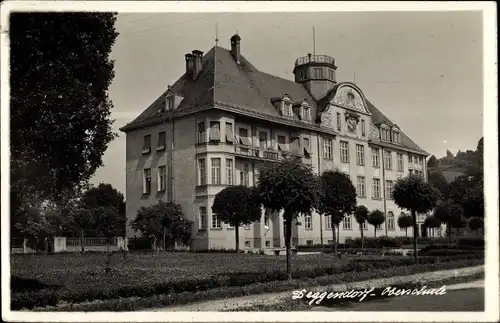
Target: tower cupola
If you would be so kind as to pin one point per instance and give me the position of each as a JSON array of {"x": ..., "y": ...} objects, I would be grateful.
[{"x": 317, "y": 73}]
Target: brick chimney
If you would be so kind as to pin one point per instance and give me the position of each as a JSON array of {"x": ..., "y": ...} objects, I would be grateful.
[
  {"x": 189, "y": 65},
  {"x": 235, "y": 47},
  {"x": 197, "y": 63}
]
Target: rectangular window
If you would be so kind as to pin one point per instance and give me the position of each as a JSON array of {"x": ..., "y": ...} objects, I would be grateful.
[
  {"x": 344, "y": 152},
  {"x": 202, "y": 172},
  {"x": 400, "y": 162},
  {"x": 216, "y": 176},
  {"x": 170, "y": 102},
  {"x": 375, "y": 158},
  {"x": 390, "y": 221},
  {"x": 201, "y": 133},
  {"x": 364, "y": 226},
  {"x": 146, "y": 183},
  {"x": 244, "y": 175},
  {"x": 339, "y": 121},
  {"x": 306, "y": 142},
  {"x": 360, "y": 155},
  {"x": 162, "y": 140},
  {"x": 328, "y": 222},
  {"x": 327, "y": 148},
  {"x": 215, "y": 131},
  {"x": 229, "y": 132},
  {"x": 361, "y": 187},
  {"x": 146, "y": 146},
  {"x": 216, "y": 222},
  {"x": 331, "y": 75},
  {"x": 244, "y": 139},
  {"x": 347, "y": 222},
  {"x": 396, "y": 137},
  {"x": 308, "y": 222},
  {"x": 379, "y": 227},
  {"x": 162, "y": 178},
  {"x": 376, "y": 188},
  {"x": 203, "y": 218},
  {"x": 318, "y": 73},
  {"x": 306, "y": 113},
  {"x": 388, "y": 189},
  {"x": 388, "y": 160},
  {"x": 263, "y": 140},
  {"x": 363, "y": 128},
  {"x": 229, "y": 171},
  {"x": 384, "y": 134},
  {"x": 281, "y": 142}
]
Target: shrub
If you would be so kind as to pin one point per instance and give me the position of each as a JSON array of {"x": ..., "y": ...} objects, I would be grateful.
[
  {"x": 139, "y": 244},
  {"x": 470, "y": 241}
]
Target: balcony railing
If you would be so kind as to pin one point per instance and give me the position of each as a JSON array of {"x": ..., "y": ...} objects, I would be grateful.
[
  {"x": 265, "y": 153},
  {"x": 315, "y": 58}
]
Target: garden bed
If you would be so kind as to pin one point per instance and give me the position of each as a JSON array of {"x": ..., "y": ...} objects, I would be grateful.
[{"x": 81, "y": 277}]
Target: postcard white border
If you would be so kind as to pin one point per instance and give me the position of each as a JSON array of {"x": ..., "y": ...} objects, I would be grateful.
[{"x": 490, "y": 157}]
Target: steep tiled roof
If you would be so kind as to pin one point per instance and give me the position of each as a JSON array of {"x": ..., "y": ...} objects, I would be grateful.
[{"x": 223, "y": 81}]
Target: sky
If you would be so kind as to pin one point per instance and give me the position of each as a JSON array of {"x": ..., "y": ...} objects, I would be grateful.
[{"x": 423, "y": 70}]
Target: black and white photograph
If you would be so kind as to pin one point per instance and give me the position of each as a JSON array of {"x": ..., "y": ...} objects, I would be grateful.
[{"x": 188, "y": 160}]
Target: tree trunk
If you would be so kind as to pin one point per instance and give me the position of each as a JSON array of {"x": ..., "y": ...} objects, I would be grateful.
[
  {"x": 334, "y": 235},
  {"x": 108, "y": 263},
  {"x": 164, "y": 238},
  {"x": 338, "y": 235},
  {"x": 406, "y": 231},
  {"x": 362, "y": 236},
  {"x": 448, "y": 228},
  {"x": 414, "y": 218},
  {"x": 237, "y": 237},
  {"x": 375, "y": 232},
  {"x": 82, "y": 240},
  {"x": 288, "y": 244}
]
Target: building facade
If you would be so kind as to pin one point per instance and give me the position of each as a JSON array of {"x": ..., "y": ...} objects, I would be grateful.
[{"x": 223, "y": 118}]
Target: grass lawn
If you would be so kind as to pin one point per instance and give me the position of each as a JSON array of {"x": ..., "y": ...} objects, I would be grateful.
[{"x": 79, "y": 278}]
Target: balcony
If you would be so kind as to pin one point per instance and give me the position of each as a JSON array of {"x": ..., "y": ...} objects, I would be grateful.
[
  {"x": 264, "y": 153},
  {"x": 315, "y": 59}
]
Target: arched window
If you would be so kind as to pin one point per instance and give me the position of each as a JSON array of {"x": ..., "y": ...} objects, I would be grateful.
[{"x": 390, "y": 221}]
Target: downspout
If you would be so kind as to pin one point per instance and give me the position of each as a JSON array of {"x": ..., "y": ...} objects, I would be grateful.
[
  {"x": 383, "y": 188},
  {"x": 319, "y": 174},
  {"x": 171, "y": 163}
]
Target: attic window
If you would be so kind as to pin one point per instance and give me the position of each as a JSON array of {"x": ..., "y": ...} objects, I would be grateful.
[
  {"x": 286, "y": 108},
  {"x": 306, "y": 113},
  {"x": 396, "y": 137},
  {"x": 170, "y": 102},
  {"x": 384, "y": 133}
]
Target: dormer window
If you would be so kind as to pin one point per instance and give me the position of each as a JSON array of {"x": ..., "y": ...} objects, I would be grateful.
[
  {"x": 170, "y": 102},
  {"x": 384, "y": 133},
  {"x": 286, "y": 107},
  {"x": 396, "y": 136},
  {"x": 305, "y": 112}
]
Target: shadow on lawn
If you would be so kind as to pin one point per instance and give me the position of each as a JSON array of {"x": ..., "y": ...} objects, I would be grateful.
[{"x": 22, "y": 285}]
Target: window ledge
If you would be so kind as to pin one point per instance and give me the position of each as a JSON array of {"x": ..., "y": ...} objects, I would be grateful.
[
  {"x": 377, "y": 198},
  {"x": 204, "y": 229},
  {"x": 146, "y": 151},
  {"x": 230, "y": 228},
  {"x": 160, "y": 148},
  {"x": 146, "y": 194},
  {"x": 216, "y": 229}
]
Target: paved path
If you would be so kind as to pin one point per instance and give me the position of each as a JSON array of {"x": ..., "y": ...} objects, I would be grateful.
[
  {"x": 467, "y": 297},
  {"x": 275, "y": 298}
]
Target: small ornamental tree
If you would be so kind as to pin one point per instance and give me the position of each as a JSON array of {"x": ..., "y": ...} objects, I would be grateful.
[
  {"x": 375, "y": 218},
  {"x": 291, "y": 187},
  {"x": 237, "y": 205},
  {"x": 412, "y": 193},
  {"x": 432, "y": 222},
  {"x": 338, "y": 199},
  {"x": 405, "y": 222},
  {"x": 361, "y": 215},
  {"x": 447, "y": 212},
  {"x": 163, "y": 222},
  {"x": 476, "y": 223},
  {"x": 109, "y": 223},
  {"x": 458, "y": 223}
]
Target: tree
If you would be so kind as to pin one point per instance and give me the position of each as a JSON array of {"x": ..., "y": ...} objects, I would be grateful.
[
  {"x": 432, "y": 162},
  {"x": 109, "y": 223},
  {"x": 405, "y": 222},
  {"x": 163, "y": 221},
  {"x": 458, "y": 222},
  {"x": 337, "y": 200},
  {"x": 237, "y": 205},
  {"x": 432, "y": 222},
  {"x": 291, "y": 187},
  {"x": 361, "y": 215},
  {"x": 376, "y": 218},
  {"x": 60, "y": 110},
  {"x": 412, "y": 193},
  {"x": 448, "y": 212},
  {"x": 476, "y": 223},
  {"x": 437, "y": 179}
]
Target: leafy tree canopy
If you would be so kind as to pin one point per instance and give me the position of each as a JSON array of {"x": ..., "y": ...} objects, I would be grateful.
[
  {"x": 338, "y": 196},
  {"x": 288, "y": 185},
  {"x": 61, "y": 70},
  {"x": 432, "y": 222},
  {"x": 237, "y": 205},
  {"x": 414, "y": 194},
  {"x": 476, "y": 223},
  {"x": 376, "y": 218},
  {"x": 361, "y": 214},
  {"x": 405, "y": 221},
  {"x": 448, "y": 211}
]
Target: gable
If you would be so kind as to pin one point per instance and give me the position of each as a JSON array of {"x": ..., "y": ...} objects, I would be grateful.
[{"x": 347, "y": 96}]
